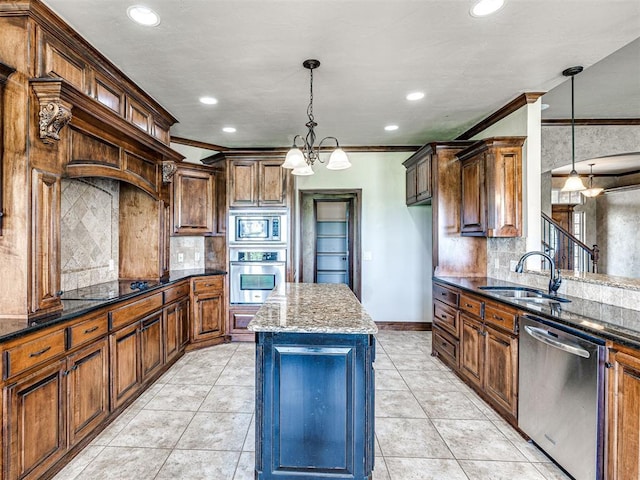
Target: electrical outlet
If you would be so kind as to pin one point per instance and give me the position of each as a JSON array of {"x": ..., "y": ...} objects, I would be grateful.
[
  {"x": 197, "y": 256},
  {"x": 496, "y": 263},
  {"x": 180, "y": 257},
  {"x": 111, "y": 265}
]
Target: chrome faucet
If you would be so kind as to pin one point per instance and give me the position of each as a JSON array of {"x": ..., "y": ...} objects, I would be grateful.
[{"x": 554, "y": 282}]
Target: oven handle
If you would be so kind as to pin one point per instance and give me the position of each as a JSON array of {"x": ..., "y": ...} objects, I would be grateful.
[
  {"x": 543, "y": 336},
  {"x": 258, "y": 264}
]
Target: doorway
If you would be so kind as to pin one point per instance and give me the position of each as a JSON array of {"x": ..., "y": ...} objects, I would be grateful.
[{"x": 329, "y": 243}]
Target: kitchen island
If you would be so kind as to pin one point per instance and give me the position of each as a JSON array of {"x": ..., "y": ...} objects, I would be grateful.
[{"x": 315, "y": 349}]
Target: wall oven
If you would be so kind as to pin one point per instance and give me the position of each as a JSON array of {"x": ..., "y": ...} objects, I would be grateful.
[
  {"x": 254, "y": 272},
  {"x": 257, "y": 227}
]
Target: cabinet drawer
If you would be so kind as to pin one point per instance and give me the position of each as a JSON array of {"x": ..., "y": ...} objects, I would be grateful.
[
  {"x": 22, "y": 357},
  {"x": 445, "y": 295},
  {"x": 206, "y": 284},
  {"x": 446, "y": 347},
  {"x": 176, "y": 292},
  {"x": 136, "y": 310},
  {"x": 445, "y": 317},
  {"x": 471, "y": 305},
  {"x": 500, "y": 317},
  {"x": 87, "y": 330}
]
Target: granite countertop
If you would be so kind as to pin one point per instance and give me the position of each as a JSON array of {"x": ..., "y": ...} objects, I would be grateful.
[
  {"x": 84, "y": 300},
  {"x": 312, "y": 308},
  {"x": 619, "y": 324}
]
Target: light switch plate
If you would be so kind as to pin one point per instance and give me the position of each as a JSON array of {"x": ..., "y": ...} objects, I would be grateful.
[{"x": 180, "y": 257}]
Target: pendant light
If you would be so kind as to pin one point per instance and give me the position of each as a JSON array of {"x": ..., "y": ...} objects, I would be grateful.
[
  {"x": 574, "y": 182},
  {"x": 591, "y": 191}
]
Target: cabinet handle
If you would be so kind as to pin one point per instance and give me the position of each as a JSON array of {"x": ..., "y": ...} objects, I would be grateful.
[
  {"x": 502, "y": 342},
  {"x": 37, "y": 354},
  {"x": 468, "y": 305},
  {"x": 89, "y": 330},
  {"x": 444, "y": 294},
  {"x": 496, "y": 317},
  {"x": 608, "y": 365}
]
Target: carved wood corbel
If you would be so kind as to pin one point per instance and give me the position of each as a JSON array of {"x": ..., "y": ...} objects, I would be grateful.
[
  {"x": 169, "y": 168},
  {"x": 54, "y": 113}
]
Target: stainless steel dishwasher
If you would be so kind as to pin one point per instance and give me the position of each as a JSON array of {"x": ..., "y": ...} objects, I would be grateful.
[{"x": 561, "y": 395}]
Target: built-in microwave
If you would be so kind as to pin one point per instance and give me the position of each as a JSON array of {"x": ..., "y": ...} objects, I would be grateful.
[{"x": 257, "y": 226}]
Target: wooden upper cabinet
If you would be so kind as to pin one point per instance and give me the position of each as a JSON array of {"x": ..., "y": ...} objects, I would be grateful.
[
  {"x": 623, "y": 414},
  {"x": 257, "y": 183},
  {"x": 418, "y": 177},
  {"x": 194, "y": 202},
  {"x": 491, "y": 183}
]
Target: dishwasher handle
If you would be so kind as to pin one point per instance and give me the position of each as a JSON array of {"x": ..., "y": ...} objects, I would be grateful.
[{"x": 544, "y": 337}]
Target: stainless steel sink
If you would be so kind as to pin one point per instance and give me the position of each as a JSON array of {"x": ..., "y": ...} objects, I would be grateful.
[{"x": 523, "y": 294}]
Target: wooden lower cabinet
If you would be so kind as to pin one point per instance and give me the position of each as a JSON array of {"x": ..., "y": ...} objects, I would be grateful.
[
  {"x": 126, "y": 378},
  {"x": 208, "y": 307},
  {"x": 34, "y": 417},
  {"x": 239, "y": 318},
  {"x": 501, "y": 369},
  {"x": 176, "y": 328},
  {"x": 472, "y": 350},
  {"x": 88, "y": 389},
  {"x": 623, "y": 414},
  {"x": 151, "y": 340}
]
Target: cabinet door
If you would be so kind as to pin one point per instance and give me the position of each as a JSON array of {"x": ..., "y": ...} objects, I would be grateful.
[
  {"x": 473, "y": 209},
  {"x": 88, "y": 387},
  {"x": 623, "y": 416},
  {"x": 272, "y": 189},
  {"x": 221, "y": 202},
  {"x": 183, "y": 320},
  {"x": 243, "y": 183},
  {"x": 171, "y": 331},
  {"x": 151, "y": 345},
  {"x": 208, "y": 313},
  {"x": 125, "y": 364},
  {"x": 194, "y": 211},
  {"x": 472, "y": 350},
  {"x": 411, "y": 192},
  {"x": 45, "y": 238},
  {"x": 35, "y": 434},
  {"x": 423, "y": 179},
  {"x": 501, "y": 369},
  {"x": 504, "y": 193}
]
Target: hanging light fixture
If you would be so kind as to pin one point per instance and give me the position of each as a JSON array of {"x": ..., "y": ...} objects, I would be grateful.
[
  {"x": 591, "y": 191},
  {"x": 304, "y": 153},
  {"x": 574, "y": 182}
]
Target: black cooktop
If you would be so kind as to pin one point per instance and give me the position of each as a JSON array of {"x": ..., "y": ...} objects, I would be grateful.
[{"x": 108, "y": 290}]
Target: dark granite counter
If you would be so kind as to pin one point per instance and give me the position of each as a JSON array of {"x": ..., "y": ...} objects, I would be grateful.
[
  {"x": 621, "y": 325},
  {"x": 79, "y": 302}
]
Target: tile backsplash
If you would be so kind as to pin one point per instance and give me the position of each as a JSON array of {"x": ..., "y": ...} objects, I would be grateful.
[
  {"x": 88, "y": 232},
  {"x": 186, "y": 253}
]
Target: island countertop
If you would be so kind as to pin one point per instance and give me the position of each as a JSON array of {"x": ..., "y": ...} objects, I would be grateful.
[{"x": 312, "y": 308}]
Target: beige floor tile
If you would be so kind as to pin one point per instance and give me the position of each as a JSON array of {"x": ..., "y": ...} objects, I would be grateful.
[
  {"x": 486, "y": 470},
  {"x": 241, "y": 376},
  {"x": 79, "y": 463},
  {"x": 424, "y": 469},
  {"x": 195, "y": 374},
  {"x": 383, "y": 362},
  {"x": 409, "y": 437},
  {"x": 199, "y": 465},
  {"x": 140, "y": 402},
  {"x": 477, "y": 440},
  {"x": 397, "y": 403},
  {"x": 153, "y": 429},
  {"x": 242, "y": 358},
  {"x": 380, "y": 471},
  {"x": 246, "y": 467},
  {"x": 179, "y": 398},
  {"x": 250, "y": 440},
  {"x": 389, "y": 380},
  {"x": 527, "y": 448},
  {"x": 414, "y": 362},
  {"x": 212, "y": 431},
  {"x": 108, "y": 434},
  {"x": 452, "y": 405},
  {"x": 120, "y": 463},
  {"x": 230, "y": 398},
  {"x": 551, "y": 471},
  {"x": 428, "y": 380}
]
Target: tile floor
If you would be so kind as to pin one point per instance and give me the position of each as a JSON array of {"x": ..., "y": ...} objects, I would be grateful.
[{"x": 196, "y": 422}]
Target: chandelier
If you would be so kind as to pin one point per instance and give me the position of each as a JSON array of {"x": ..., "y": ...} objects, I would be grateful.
[
  {"x": 574, "y": 182},
  {"x": 591, "y": 191},
  {"x": 304, "y": 153}
]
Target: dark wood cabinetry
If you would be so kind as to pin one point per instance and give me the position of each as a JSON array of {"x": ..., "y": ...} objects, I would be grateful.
[
  {"x": 151, "y": 343},
  {"x": 418, "y": 176},
  {"x": 208, "y": 308},
  {"x": 125, "y": 366},
  {"x": 478, "y": 339},
  {"x": 491, "y": 182},
  {"x": 239, "y": 318},
  {"x": 623, "y": 414},
  {"x": 257, "y": 183},
  {"x": 194, "y": 202},
  {"x": 176, "y": 328}
]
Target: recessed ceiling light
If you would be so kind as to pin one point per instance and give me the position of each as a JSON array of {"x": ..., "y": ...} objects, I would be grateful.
[
  {"x": 229, "y": 130},
  {"x": 415, "y": 96},
  {"x": 391, "y": 128},
  {"x": 486, "y": 7},
  {"x": 208, "y": 100},
  {"x": 143, "y": 15},
  {"x": 544, "y": 106}
]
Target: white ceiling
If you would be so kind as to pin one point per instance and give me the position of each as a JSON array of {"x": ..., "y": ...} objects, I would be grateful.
[{"x": 249, "y": 54}]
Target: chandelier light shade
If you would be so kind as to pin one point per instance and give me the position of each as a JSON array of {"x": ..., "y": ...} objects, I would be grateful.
[
  {"x": 304, "y": 153},
  {"x": 592, "y": 191},
  {"x": 574, "y": 182}
]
